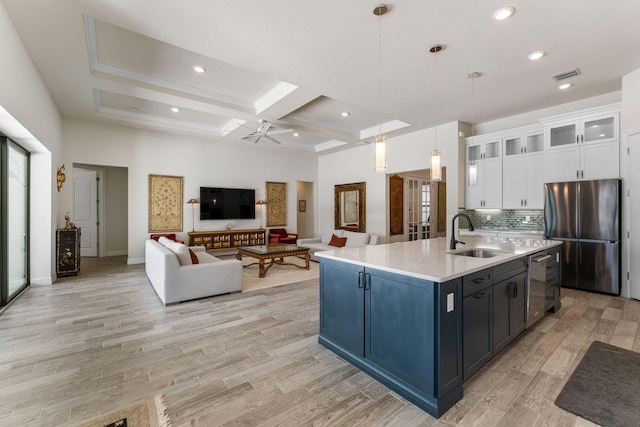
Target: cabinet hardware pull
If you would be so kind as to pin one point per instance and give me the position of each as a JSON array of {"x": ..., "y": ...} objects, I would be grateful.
[
  {"x": 367, "y": 281},
  {"x": 525, "y": 202},
  {"x": 513, "y": 290},
  {"x": 582, "y": 138},
  {"x": 577, "y": 174},
  {"x": 577, "y": 139},
  {"x": 478, "y": 280},
  {"x": 582, "y": 173},
  {"x": 360, "y": 279},
  {"x": 479, "y": 295}
]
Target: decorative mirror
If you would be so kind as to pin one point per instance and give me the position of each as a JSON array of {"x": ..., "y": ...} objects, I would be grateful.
[{"x": 350, "y": 206}]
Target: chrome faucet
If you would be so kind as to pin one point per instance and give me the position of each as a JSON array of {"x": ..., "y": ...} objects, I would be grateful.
[{"x": 452, "y": 245}]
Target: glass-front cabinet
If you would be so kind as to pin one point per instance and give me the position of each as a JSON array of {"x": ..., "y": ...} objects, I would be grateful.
[
  {"x": 483, "y": 173},
  {"x": 596, "y": 129},
  {"x": 523, "y": 169},
  {"x": 583, "y": 145}
]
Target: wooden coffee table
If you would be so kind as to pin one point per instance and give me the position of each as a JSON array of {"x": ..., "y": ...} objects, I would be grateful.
[{"x": 276, "y": 253}]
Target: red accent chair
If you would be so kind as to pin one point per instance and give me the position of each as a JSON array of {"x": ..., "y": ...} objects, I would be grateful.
[{"x": 280, "y": 235}]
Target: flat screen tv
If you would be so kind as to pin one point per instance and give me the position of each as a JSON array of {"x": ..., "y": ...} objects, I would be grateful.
[{"x": 227, "y": 203}]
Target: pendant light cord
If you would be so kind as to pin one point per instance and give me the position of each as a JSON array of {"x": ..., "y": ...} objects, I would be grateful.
[
  {"x": 435, "y": 86},
  {"x": 380, "y": 68}
]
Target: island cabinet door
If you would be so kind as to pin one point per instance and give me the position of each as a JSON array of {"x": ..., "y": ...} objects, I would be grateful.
[
  {"x": 342, "y": 305},
  {"x": 509, "y": 310},
  {"x": 400, "y": 327},
  {"x": 476, "y": 331}
]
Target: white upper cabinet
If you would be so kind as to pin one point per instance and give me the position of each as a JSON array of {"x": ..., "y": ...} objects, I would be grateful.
[
  {"x": 483, "y": 169},
  {"x": 523, "y": 169},
  {"x": 583, "y": 145}
]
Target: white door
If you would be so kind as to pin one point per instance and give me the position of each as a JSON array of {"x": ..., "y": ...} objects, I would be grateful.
[
  {"x": 634, "y": 208},
  {"x": 85, "y": 214}
]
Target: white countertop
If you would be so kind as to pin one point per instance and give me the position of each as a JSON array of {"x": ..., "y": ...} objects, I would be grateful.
[{"x": 433, "y": 260}]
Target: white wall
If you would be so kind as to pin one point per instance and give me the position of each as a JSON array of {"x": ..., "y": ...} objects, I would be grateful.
[
  {"x": 630, "y": 116},
  {"x": 201, "y": 162},
  {"x": 404, "y": 153},
  {"x": 33, "y": 121}
]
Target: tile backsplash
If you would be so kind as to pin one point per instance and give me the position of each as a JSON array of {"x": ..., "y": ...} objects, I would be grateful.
[{"x": 515, "y": 220}]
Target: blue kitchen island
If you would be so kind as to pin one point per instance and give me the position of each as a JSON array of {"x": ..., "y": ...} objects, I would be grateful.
[{"x": 395, "y": 311}]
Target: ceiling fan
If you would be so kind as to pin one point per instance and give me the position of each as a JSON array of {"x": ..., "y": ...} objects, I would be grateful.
[{"x": 264, "y": 132}]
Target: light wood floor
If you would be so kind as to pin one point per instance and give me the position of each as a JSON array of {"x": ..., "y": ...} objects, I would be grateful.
[{"x": 90, "y": 344}]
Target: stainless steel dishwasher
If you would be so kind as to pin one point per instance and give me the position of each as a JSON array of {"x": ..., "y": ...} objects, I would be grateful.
[{"x": 537, "y": 287}]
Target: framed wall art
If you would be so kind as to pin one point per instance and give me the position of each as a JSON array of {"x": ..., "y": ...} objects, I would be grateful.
[
  {"x": 276, "y": 203},
  {"x": 302, "y": 205},
  {"x": 165, "y": 203}
]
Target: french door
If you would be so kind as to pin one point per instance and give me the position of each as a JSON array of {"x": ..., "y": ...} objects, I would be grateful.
[
  {"x": 419, "y": 208},
  {"x": 14, "y": 223}
]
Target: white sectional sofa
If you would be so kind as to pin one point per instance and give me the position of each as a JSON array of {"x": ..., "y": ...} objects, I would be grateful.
[
  {"x": 322, "y": 243},
  {"x": 175, "y": 278}
]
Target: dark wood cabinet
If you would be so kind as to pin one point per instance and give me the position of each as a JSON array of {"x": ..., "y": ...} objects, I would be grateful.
[
  {"x": 224, "y": 240},
  {"x": 67, "y": 252}
]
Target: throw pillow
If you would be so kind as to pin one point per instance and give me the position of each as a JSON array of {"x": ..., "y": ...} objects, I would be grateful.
[
  {"x": 194, "y": 257},
  {"x": 180, "y": 250},
  {"x": 338, "y": 242},
  {"x": 326, "y": 237},
  {"x": 356, "y": 239}
]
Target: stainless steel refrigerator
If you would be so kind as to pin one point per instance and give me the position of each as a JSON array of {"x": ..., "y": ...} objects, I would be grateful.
[{"x": 585, "y": 215}]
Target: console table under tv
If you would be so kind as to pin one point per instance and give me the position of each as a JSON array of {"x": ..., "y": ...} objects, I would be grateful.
[{"x": 223, "y": 240}]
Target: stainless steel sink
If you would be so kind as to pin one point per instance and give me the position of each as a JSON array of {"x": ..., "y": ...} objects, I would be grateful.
[{"x": 479, "y": 253}]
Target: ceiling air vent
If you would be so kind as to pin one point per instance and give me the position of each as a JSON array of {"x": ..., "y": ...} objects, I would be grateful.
[{"x": 566, "y": 74}]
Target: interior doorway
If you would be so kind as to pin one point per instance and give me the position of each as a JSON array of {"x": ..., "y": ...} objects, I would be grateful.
[
  {"x": 305, "y": 208},
  {"x": 424, "y": 207},
  {"x": 103, "y": 203}
]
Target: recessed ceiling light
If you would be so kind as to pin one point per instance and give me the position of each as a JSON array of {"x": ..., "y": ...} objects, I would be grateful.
[
  {"x": 199, "y": 69},
  {"x": 346, "y": 114},
  {"x": 534, "y": 56},
  {"x": 565, "y": 86},
  {"x": 504, "y": 13},
  {"x": 175, "y": 109},
  {"x": 296, "y": 134}
]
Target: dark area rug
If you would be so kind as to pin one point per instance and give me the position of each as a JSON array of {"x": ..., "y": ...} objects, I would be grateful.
[{"x": 605, "y": 387}]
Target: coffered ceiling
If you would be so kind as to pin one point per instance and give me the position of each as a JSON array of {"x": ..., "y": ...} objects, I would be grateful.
[{"x": 300, "y": 64}]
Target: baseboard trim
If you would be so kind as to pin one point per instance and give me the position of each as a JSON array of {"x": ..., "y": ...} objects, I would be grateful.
[
  {"x": 39, "y": 281},
  {"x": 131, "y": 261}
]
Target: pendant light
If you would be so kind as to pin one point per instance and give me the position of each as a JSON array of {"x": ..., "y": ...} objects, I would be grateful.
[
  {"x": 380, "y": 139},
  {"x": 436, "y": 168},
  {"x": 473, "y": 168}
]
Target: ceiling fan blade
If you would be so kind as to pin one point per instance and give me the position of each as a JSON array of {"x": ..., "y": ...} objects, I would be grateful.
[
  {"x": 272, "y": 139},
  {"x": 279, "y": 131},
  {"x": 257, "y": 139},
  {"x": 265, "y": 127},
  {"x": 251, "y": 135}
]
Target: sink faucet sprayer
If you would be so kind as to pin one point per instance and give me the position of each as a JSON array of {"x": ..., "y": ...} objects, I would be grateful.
[{"x": 453, "y": 229}]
